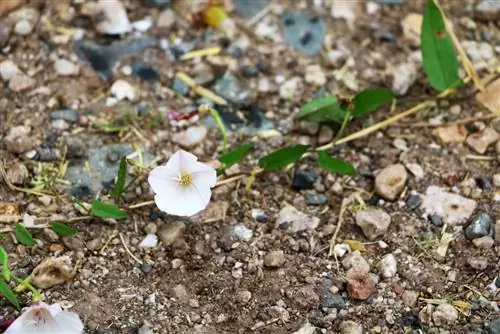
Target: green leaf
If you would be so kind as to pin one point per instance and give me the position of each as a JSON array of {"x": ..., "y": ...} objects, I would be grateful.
[
  {"x": 370, "y": 99},
  {"x": 438, "y": 53},
  {"x": 23, "y": 236},
  {"x": 322, "y": 110},
  {"x": 103, "y": 210},
  {"x": 62, "y": 230},
  {"x": 335, "y": 166},
  {"x": 7, "y": 292},
  {"x": 4, "y": 261},
  {"x": 236, "y": 155},
  {"x": 120, "y": 181},
  {"x": 283, "y": 157}
]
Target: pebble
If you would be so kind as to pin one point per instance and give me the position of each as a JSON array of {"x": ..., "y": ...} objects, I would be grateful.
[
  {"x": 166, "y": 19},
  {"x": 410, "y": 298},
  {"x": 488, "y": 10},
  {"x": 274, "y": 259},
  {"x": 390, "y": 181},
  {"x": 20, "y": 83},
  {"x": 496, "y": 179},
  {"x": 330, "y": 299},
  {"x": 69, "y": 115},
  {"x": 479, "y": 227},
  {"x": 306, "y": 328},
  {"x": 64, "y": 67},
  {"x": 404, "y": 76},
  {"x": 191, "y": 137},
  {"x": 52, "y": 271},
  {"x": 17, "y": 173},
  {"x": 179, "y": 291},
  {"x": 485, "y": 242},
  {"x": 8, "y": 69},
  {"x": 242, "y": 232},
  {"x": 233, "y": 89},
  {"x": 355, "y": 259},
  {"x": 50, "y": 234},
  {"x": 297, "y": 220},
  {"x": 290, "y": 89},
  {"x": 249, "y": 71},
  {"x": 339, "y": 249},
  {"x": 73, "y": 242},
  {"x": 497, "y": 231},
  {"x": 494, "y": 327},
  {"x": 171, "y": 233},
  {"x": 480, "y": 141},
  {"x": 478, "y": 263},
  {"x": 150, "y": 241},
  {"x": 452, "y": 208},
  {"x": 416, "y": 170},
  {"x": 145, "y": 329},
  {"x": 350, "y": 327},
  {"x": 316, "y": 199},
  {"x": 122, "y": 90},
  {"x": 315, "y": 75},
  {"x": 23, "y": 28},
  {"x": 373, "y": 222},
  {"x": 444, "y": 314},
  {"x": 303, "y": 179},
  {"x": 146, "y": 267},
  {"x": 481, "y": 54},
  {"x": 360, "y": 284},
  {"x": 303, "y": 32},
  {"x": 411, "y": 25},
  {"x": 325, "y": 135},
  {"x": 388, "y": 266},
  {"x": 306, "y": 297},
  {"x": 414, "y": 201},
  {"x": 113, "y": 19},
  {"x": 455, "y": 133},
  {"x": 180, "y": 87},
  {"x": 17, "y": 140}
]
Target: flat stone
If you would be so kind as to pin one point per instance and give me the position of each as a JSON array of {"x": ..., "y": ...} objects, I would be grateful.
[
  {"x": 373, "y": 222},
  {"x": 390, "y": 181},
  {"x": 485, "y": 242},
  {"x": 455, "y": 133},
  {"x": 166, "y": 19},
  {"x": 331, "y": 300},
  {"x": 481, "y": 140},
  {"x": 478, "y": 263},
  {"x": 274, "y": 259},
  {"x": 316, "y": 199},
  {"x": 410, "y": 298},
  {"x": 51, "y": 272},
  {"x": 69, "y": 115},
  {"x": 295, "y": 220},
  {"x": 64, "y": 67},
  {"x": 191, "y": 137},
  {"x": 452, "y": 208},
  {"x": 233, "y": 89},
  {"x": 242, "y": 232},
  {"x": 303, "y": 32},
  {"x": 144, "y": 71},
  {"x": 171, "y": 233},
  {"x": 20, "y": 83}
]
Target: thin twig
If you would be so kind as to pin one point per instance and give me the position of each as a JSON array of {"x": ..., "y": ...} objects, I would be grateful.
[
  {"x": 459, "y": 122},
  {"x": 333, "y": 241},
  {"x": 140, "y": 205},
  {"x": 127, "y": 250}
]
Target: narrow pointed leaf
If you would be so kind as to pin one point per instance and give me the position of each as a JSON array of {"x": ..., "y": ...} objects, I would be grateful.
[
  {"x": 120, "y": 180},
  {"x": 4, "y": 262},
  {"x": 23, "y": 236},
  {"x": 103, "y": 210},
  {"x": 283, "y": 157},
  {"x": 438, "y": 53},
  {"x": 334, "y": 165},
  {"x": 236, "y": 155},
  {"x": 62, "y": 230},
  {"x": 7, "y": 292},
  {"x": 370, "y": 99},
  {"x": 323, "y": 110}
]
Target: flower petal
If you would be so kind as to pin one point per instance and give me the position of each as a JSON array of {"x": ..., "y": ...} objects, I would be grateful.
[
  {"x": 180, "y": 160},
  {"x": 68, "y": 322},
  {"x": 205, "y": 179},
  {"x": 21, "y": 324},
  {"x": 170, "y": 201},
  {"x": 195, "y": 199},
  {"x": 161, "y": 179},
  {"x": 54, "y": 309}
]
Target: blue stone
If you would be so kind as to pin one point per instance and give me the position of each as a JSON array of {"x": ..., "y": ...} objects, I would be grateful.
[
  {"x": 249, "y": 8},
  {"x": 69, "y": 115},
  {"x": 303, "y": 32},
  {"x": 180, "y": 87}
]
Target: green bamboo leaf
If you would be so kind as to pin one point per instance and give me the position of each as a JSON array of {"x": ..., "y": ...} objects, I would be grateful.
[
  {"x": 7, "y": 292},
  {"x": 4, "y": 261},
  {"x": 62, "y": 230},
  {"x": 370, "y": 99},
  {"x": 103, "y": 210},
  {"x": 120, "y": 180},
  {"x": 236, "y": 155},
  {"x": 322, "y": 110},
  {"x": 438, "y": 53},
  {"x": 283, "y": 157},
  {"x": 334, "y": 165},
  {"x": 23, "y": 236}
]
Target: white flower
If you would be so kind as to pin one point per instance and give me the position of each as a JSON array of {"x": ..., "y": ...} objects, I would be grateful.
[
  {"x": 41, "y": 318},
  {"x": 182, "y": 186}
]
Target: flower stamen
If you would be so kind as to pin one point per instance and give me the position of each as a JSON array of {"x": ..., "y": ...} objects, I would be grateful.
[{"x": 185, "y": 179}]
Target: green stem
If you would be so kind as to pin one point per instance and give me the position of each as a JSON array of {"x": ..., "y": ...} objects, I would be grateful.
[
  {"x": 215, "y": 114},
  {"x": 25, "y": 284},
  {"x": 342, "y": 127}
]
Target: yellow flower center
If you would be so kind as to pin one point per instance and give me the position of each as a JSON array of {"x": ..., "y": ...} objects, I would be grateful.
[{"x": 185, "y": 179}]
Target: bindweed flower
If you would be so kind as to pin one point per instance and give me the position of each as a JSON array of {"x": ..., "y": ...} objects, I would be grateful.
[
  {"x": 41, "y": 318},
  {"x": 183, "y": 186}
]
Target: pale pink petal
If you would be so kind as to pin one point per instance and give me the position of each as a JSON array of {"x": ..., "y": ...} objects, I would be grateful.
[
  {"x": 21, "y": 324},
  {"x": 54, "y": 309},
  {"x": 179, "y": 160},
  {"x": 69, "y": 322},
  {"x": 161, "y": 179}
]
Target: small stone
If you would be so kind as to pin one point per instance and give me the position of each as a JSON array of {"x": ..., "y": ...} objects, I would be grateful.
[
  {"x": 51, "y": 235},
  {"x": 146, "y": 267},
  {"x": 359, "y": 283},
  {"x": 52, "y": 271},
  {"x": 410, "y": 298},
  {"x": 425, "y": 315},
  {"x": 177, "y": 263},
  {"x": 20, "y": 83},
  {"x": 145, "y": 329},
  {"x": 171, "y": 233},
  {"x": 166, "y": 19},
  {"x": 444, "y": 314},
  {"x": 373, "y": 222},
  {"x": 411, "y": 25},
  {"x": 95, "y": 244},
  {"x": 481, "y": 140},
  {"x": 306, "y": 297},
  {"x": 242, "y": 232},
  {"x": 339, "y": 249},
  {"x": 390, "y": 181},
  {"x": 180, "y": 293},
  {"x": 452, "y": 208},
  {"x": 290, "y": 89},
  {"x": 325, "y": 135},
  {"x": 416, "y": 170},
  {"x": 151, "y": 228},
  {"x": 8, "y": 6},
  {"x": 191, "y": 137},
  {"x": 303, "y": 179},
  {"x": 405, "y": 76},
  {"x": 150, "y": 241},
  {"x": 350, "y": 327},
  {"x": 488, "y": 10},
  {"x": 314, "y": 75},
  {"x": 455, "y": 133},
  {"x": 59, "y": 125},
  {"x": 388, "y": 266},
  {"x": 485, "y": 242},
  {"x": 400, "y": 144},
  {"x": 274, "y": 259},
  {"x": 16, "y": 172},
  {"x": 355, "y": 259},
  {"x": 69, "y": 115},
  {"x": 180, "y": 87},
  {"x": 8, "y": 69},
  {"x": 17, "y": 140},
  {"x": 494, "y": 327},
  {"x": 73, "y": 242},
  {"x": 243, "y": 296},
  {"x": 122, "y": 90},
  {"x": 414, "y": 201},
  {"x": 316, "y": 199},
  {"x": 298, "y": 220},
  {"x": 306, "y": 328},
  {"x": 23, "y": 28},
  {"x": 478, "y": 263},
  {"x": 112, "y": 18},
  {"x": 479, "y": 227},
  {"x": 497, "y": 231},
  {"x": 496, "y": 179},
  {"x": 249, "y": 71},
  {"x": 64, "y": 67}
]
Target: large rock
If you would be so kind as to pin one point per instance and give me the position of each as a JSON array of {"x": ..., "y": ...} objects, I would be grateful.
[{"x": 452, "y": 208}]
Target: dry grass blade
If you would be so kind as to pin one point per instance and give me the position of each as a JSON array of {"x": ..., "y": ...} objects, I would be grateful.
[{"x": 200, "y": 90}]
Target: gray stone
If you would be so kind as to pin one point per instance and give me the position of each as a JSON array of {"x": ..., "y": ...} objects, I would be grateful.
[
  {"x": 303, "y": 32},
  {"x": 405, "y": 76},
  {"x": 73, "y": 242},
  {"x": 355, "y": 259},
  {"x": 373, "y": 222},
  {"x": 296, "y": 220},
  {"x": 388, "y": 266},
  {"x": 488, "y": 10},
  {"x": 410, "y": 298},
  {"x": 485, "y": 242},
  {"x": 316, "y": 199},
  {"x": 494, "y": 327},
  {"x": 331, "y": 300},
  {"x": 232, "y": 89},
  {"x": 171, "y": 233},
  {"x": 249, "y": 8},
  {"x": 444, "y": 314},
  {"x": 180, "y": 87},
  {"x": 479, "y": 227},
  {"x": 452, "y": 208},
  {"x": 274, "y": 259},
  {"x": 242, "y": 232},
  {"x": 478, "y": 263},
  {"x": 350, "y": 327},
  {"x": 69, "y": 115}
]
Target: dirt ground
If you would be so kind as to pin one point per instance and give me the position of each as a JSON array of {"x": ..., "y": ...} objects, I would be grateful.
[{"x": 242, "y": 266}]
